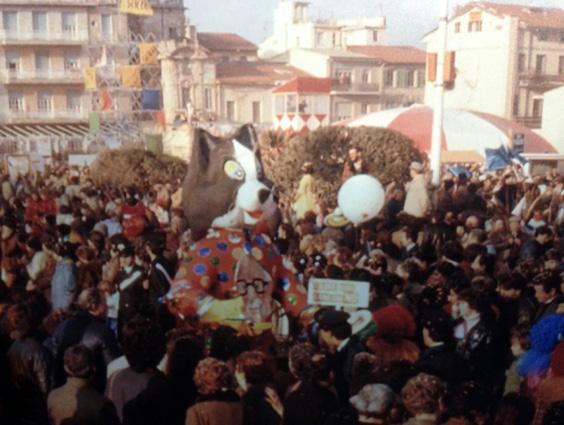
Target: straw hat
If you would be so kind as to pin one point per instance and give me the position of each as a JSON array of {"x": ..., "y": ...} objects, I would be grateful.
[{"x": 336, "y": 219}]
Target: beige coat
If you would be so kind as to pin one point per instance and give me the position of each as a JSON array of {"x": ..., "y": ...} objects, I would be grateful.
[{"x": 416, "y": 198}]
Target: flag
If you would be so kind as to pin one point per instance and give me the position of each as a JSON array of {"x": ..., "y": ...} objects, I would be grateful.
[
  {"x": 498, "y": 159},
  {"x": 151, "y": 99},
  {"x": 458, "y": 171},
  {"x": 130, "y": 76},
  {"x": 148, "y": 54},
  {"x": 136, "y": 7},
  {"x": 94, "y": 123},
  {"x": 90, "y": 78},
  {"x": 105, "y": 101}
]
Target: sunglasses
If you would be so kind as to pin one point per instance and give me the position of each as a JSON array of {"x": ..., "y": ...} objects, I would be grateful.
[{"x": 259, "y": 286}]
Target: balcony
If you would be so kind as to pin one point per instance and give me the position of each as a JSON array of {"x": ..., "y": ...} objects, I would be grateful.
[
  {"x": 345, "y": 86},
  {"x": 69, "y": 76},
  {"x": 530, "y": 122},
  {"x": 68, "y": 37},
  {"x": 13, "y": 117},
  {"x": 536, "y": 79}
]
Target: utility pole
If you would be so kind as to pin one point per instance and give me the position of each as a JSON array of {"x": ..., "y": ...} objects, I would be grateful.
[{"x": 439, "y": 94}]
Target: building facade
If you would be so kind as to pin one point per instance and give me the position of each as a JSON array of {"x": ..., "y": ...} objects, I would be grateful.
[
  {"x": 365, "y": 79},
  {"x": 46, "y": 46},
  {"x": 294, "y": 29},
  {"x": 506, "y": 58}
]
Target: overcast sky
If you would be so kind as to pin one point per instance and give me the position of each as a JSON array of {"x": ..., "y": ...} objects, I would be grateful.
[{"x": 407, "y": 20}]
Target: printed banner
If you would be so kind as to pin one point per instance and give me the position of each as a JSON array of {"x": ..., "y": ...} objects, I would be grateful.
[
  {"x": 90, "y": 78},
  {"x": 148, "y": 54},
  {"x": 338, "y": 293},
  {"x": 130, "y": 76},
  {"x": 136, "y": 7}
]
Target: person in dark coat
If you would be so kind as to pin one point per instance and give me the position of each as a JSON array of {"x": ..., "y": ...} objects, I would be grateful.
[
  {"x": 254, "y": 375},
  {"x": 534, "y": 248},
  {"x": 440, "y": 357},
  {"x": 29, "y": 370},
  {"x": 141, "y": 393},
  {"x": 77, "y": 402},
  {"x": 88, "y": 327},
  {"x": 310, "y": 401},
  {"x": 335, "y": 333},
  {"x": 548, "y": 294}
]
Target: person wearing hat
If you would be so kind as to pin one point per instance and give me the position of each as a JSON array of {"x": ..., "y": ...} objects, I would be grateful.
[
  {"x": 335, "y": 334},
  {"x": 416, "y": 199},
  {"x": 133, "y": 297}
]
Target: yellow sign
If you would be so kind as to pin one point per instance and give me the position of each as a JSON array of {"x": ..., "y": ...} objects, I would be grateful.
[
  {"x": 148, "y": 54},
  {"x": 136, "y": 7},
  {"x": 90, "y": 78}
]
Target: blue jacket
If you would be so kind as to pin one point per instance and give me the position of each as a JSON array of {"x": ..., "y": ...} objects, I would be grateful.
[{"x": 64, "y": 284}]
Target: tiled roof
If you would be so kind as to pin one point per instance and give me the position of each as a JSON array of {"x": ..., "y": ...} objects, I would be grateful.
[
  {"x": 225, "y": 41},
  {"x": 256, "y": 73},
  {"x": 392, "y": 54},
  {"x": 538, "y": 17},
  {"x": 305, "y": 85}
]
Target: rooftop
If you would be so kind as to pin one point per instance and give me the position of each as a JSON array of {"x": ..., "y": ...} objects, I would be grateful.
[
  {"x": 256, "y": 73},
  {"x": 392, "y": 54},
  {"x": 538, "y": 17},
  {"x": 337, "y": 54},
  {"x": 225, "y": 41},
  {"x": 305, "y": 85}
]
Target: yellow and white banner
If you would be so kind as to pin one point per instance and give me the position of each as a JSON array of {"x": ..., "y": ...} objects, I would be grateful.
[
  {"x": 148, "y": 54},
  {"x": 136, "y": 7},
  {"x": 90, "y": 78}
]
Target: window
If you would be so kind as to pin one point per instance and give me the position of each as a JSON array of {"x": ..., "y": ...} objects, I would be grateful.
[
  {"x": 365, "y": 76},
  {"x": 364, "y": 108},
  {"x": 343, "y": 111},
  {"x": 12, "y": 62},
  {"x": 72, "y": 62},
  {"x": 257, "y": 112},
  {"x": 42, "y": 62},
  {"x": 374, "y": 36},
  {"x": 16, "y": 101},
  {"x": 561, "y": 65},
  {"x": 421, "y": 78},
  {"x": 542, "y": 35},
  {"x": 516, "y": 101},
  {"x": 73, "y": 102},
  {"x": 457, "y": 27},
  {"x": 69, "y": 22},
  {"x": 537, "y": 108},
  {"x": 10, "y": 21},
  {"x": 402, "y": 78},
  {"x": 389, "y": 78},
  {"x": 540, "y": 65},
  {"x": 343, "y": 76},
  {"x": 207, "y": 99},
  {"x": 107, "y": 28},
  {"x": 521, "y": 62},
  {"x": 334, "y": 39},
  {"x": 230, "y": 107},
  {"x": 291, "y": 103},
  {"x": 562, "y": 36},
  {"x": 44, "y": 102},
  {"x": 475, "y": 26},
  {"x": 410, "y": 78},
  {"x": 39, "y": 21}
]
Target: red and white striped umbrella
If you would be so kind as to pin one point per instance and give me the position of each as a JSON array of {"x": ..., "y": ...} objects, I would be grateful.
[{"x": 465, "y": 133}]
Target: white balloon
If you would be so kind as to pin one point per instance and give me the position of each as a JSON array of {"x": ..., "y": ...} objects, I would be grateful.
[{"x": 361, "y": 198}]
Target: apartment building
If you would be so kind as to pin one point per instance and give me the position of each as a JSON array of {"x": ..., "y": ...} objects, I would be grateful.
[
  {"x": 294, "y": 29},
  {"x": 506, "y": 58},
  {"x": 46, "y": 46},
  {"x": 364, "y": 79}
]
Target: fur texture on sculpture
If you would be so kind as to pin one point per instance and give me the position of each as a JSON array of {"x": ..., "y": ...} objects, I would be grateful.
[{"x": 225, "y": 197}]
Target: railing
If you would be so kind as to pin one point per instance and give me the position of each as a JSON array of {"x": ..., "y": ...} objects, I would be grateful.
[
  {"x": 539, "y": 76},
  {"x": 71, "y": 115},
  {"x": 340, "y": 85},
  {"x": 43, "y": 36},
  {"x": 72, "y": 76},
  {"x": 530, "y": 122}
]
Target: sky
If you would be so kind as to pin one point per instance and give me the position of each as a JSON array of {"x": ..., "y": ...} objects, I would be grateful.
[{"x": 407, "y": 20}]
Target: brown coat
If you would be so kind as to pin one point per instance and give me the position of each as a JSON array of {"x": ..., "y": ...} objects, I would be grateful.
[{"x": 222, "y": 410}]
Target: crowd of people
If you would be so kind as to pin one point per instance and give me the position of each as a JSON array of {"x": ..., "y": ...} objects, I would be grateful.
[{"x": 466, "y": 300}]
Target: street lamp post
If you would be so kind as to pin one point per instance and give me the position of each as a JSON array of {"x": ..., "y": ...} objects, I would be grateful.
[{"x": 439, "y": 94}]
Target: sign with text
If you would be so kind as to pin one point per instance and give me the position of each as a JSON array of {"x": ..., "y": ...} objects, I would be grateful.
[{"x": 338, "y": 293}]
